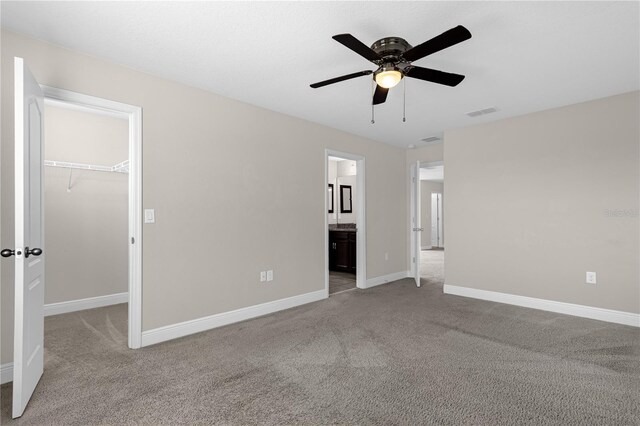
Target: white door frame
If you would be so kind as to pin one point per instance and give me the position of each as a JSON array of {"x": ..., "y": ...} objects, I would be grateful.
[
  {"x": 67, "y": 99},
  {"x": 361, "y": 235}
]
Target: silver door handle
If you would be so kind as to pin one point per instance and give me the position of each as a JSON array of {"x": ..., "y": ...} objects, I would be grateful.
[{"x": 32, "y": 252}]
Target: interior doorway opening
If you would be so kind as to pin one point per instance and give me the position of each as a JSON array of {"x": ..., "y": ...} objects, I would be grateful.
[
  {"x": 344, "y": 222},
  {"x": 96, "y": 180},
  {"x": 427, "y": 199},
  {"x": 86, "y": 194}
]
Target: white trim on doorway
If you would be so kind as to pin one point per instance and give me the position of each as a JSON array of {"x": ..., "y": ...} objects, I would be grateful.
[
  {"x": 68, "y": 99},
  {"x": 361, "y": 236}
]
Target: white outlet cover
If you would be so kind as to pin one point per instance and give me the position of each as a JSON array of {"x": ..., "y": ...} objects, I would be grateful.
[
  {"x": 591, "y": 277},
  {"x": 263, "y": 276},
  {"x": 270, "y": 275},
  {"x": 149, "y": 216}
]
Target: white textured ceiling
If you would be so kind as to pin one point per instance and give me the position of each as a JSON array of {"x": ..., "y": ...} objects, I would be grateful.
[{"x": 523, "y": 57}]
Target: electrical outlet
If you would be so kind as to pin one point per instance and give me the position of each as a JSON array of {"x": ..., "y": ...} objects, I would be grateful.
[
  {"x": 149, "y": 216},
  {"x": 270, "y": 275},
  {"x": 591, "y": 277},
  {"x": 263, "y": 276}
]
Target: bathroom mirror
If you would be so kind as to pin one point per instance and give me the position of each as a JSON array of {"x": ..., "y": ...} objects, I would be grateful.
[
  {"x": 345, "y": 199},
  {"x": 330, "y": 199}
]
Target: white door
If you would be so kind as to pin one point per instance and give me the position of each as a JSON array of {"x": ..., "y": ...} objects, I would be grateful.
[
  {"x": 415, "y": 221},
  {"x": 29, "y": 235},
  {"x": 436, "y": 219}
]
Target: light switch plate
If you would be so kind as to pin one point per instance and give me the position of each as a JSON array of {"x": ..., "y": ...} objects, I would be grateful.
[
  {"x": 270, "y": 275},
  {"x": 591, "y": 277},
  {"x": 263, "y": 276},
  {"x": 149, "y": 216}
]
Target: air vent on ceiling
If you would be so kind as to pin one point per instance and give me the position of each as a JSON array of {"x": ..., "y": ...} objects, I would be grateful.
[
  {"x": 481, "y": 112},
  {"x": 431, "y": 140}
]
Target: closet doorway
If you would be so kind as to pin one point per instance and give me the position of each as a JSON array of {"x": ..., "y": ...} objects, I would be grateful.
[{"x": 92, "y": 216}]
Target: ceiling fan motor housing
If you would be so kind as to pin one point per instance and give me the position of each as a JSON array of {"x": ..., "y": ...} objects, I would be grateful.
[{"x": 390, "y": 49}]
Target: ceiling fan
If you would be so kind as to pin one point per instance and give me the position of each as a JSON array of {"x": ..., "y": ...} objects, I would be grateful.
[{"x": 394, "y": 57}]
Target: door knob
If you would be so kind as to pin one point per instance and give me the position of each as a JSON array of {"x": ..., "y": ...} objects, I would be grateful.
[
  {"x": 9, "y": 253},
  {"x": 28, "y": 252}
]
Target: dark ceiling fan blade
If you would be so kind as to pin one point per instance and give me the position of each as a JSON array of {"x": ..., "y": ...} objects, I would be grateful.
[
  {"x": 357, "y": 46},
  {"x": 436, "y": 44},
  {"x": 434, "y": 76},
  {"x": 341, "y": 78},
  {"x": 380, "y": 95}
]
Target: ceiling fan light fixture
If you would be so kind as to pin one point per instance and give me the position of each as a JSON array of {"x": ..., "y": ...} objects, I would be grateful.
[{"x": 388, "y": 77}]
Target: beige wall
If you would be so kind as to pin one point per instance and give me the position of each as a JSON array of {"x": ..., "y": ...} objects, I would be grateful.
[
  {"x": 426, "y": 154},
  {"x": 218, "y": 172},
  {"x": 86, "y": 228},
  {"x": 555, "y": 178},
  {"x": 426, "y": 188}
]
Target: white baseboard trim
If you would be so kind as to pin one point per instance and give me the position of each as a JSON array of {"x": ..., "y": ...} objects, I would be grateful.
[
  {"x": 6, "y": 373},
  {"x": 608, "y": 315},
  {"x": 384, "y": 279},
  {"x": 82, "y": 304},
  {"x": 169, "y": 332}
]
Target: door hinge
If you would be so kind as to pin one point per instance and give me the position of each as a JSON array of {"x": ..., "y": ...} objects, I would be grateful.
[{"x": 133, "y": 240}]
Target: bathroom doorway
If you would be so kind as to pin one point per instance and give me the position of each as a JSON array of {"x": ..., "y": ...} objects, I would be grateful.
[{"x": 344, "y": 223}]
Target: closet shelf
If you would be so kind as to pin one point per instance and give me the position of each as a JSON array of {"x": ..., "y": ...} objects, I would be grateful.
[{"x": 122, "y": 167}]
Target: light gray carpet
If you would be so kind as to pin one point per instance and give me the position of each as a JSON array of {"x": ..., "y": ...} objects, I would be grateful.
[
  {"x": 393, "y": 354},
  {"x": 341, "y": 281},
  {"x": 432, "y": 266}
]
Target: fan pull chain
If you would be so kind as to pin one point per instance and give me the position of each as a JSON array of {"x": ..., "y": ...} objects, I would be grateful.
[
  {"x": 404, "y": 100},
  {"x": 373, "y": 120}
]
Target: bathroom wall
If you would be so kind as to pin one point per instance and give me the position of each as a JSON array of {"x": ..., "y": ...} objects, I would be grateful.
[{"x": 342, "y": 173}]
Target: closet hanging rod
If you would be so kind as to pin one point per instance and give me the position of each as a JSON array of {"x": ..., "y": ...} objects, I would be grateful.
[{"x": 122, "y": 167}]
